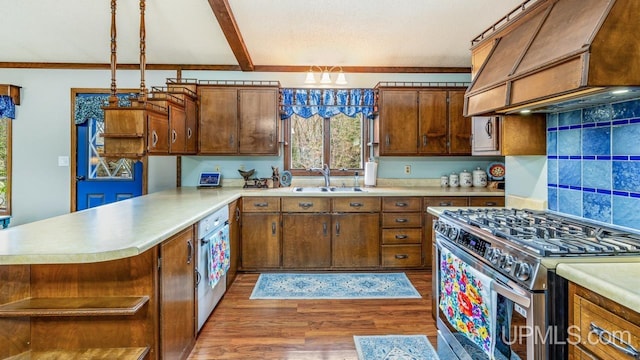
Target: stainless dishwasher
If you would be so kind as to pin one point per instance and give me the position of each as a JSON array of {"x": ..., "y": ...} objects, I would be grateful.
[{"x": 213, "y": 262}]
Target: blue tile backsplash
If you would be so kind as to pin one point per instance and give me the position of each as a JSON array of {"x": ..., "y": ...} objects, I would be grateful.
[{"x": 593, "y": 163}]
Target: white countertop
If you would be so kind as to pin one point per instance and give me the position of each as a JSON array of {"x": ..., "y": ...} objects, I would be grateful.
[
  {"x": 618, "y": 281},
  {"x": 130, "y": 227}
]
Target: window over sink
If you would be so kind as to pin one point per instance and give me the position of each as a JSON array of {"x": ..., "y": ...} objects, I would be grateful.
[{"x": 326, "y": 126}]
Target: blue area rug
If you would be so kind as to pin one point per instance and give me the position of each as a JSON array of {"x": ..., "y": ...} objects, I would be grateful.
[
  {"x": 334, "y": 286},
  {"x": 394, "y": 347}
]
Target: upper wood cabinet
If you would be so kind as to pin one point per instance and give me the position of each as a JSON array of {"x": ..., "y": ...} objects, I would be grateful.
[
  {"x": 420, "y": 121},
  {"x": 135, "y": 131},
  {"x": 238, "y": 121},
  {"x": 509, "y": 135}
]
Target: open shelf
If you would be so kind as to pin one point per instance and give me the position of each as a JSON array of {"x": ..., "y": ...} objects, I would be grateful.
[
  {"x": 74, "y": 306},
  {"x": 127, "y": 353}
]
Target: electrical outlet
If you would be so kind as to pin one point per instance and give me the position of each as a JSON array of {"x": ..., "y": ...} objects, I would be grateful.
[
  {"x": 407, "y": 169},
  {"x": 217, "y": 168}
]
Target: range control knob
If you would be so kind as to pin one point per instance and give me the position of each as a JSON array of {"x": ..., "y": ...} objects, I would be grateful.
[
  {"x": 453, "y": 234},
  {"x": 506, "y": 263},
  {"x": 523, "y": 271},
  {"x": 495, "y": 256}
]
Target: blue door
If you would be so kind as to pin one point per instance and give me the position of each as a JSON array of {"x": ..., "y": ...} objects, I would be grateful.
[{"x": 99, "y": 180}]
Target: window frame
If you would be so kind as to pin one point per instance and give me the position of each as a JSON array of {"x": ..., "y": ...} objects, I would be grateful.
[
  {"x": 326, "y": 150},
  {"x": 7, "y": 210}
]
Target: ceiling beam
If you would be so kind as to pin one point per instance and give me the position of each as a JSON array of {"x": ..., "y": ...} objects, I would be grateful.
[
  {"x": 259, "y": 68},
  {"x": 222, "y": 11}
]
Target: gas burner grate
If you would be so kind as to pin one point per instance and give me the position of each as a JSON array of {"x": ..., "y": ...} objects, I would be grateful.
[{"x": 549, "y": 234}]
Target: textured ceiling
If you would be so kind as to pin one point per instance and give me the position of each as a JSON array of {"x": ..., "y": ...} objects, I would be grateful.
[{"x": 371, "y": 33}]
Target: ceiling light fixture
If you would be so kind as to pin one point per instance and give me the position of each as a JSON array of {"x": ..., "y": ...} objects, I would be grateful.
[{"x": 325, "y": 77}]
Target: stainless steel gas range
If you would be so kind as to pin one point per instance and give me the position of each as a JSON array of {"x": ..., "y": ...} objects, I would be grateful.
[{"x": 494, "y": 278}]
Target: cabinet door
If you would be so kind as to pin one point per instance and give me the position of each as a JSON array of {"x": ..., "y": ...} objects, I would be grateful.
[
  {"x": 485, "y": 135},
  {"x": 191, "y": 126},
  {"x": 356, "y": 240},
  {"x": 398, "y": 122},
  {"x": 432, "y": 120},
  {"x": 177, "y": 133},
  {"x": 218, "y": 126},
  {"x": 158, "y": 133},
  {"x": 234, "y": 240},
  {"x": 258, "y": 121},
  {"x": 459, "y": 126},
  {"x": 260, "y": 240},
  {"x": 306, "y": 241},
  {"x": 177, "y": 296}
]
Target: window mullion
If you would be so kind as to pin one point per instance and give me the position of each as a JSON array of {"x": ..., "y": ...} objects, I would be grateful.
[{"x": 326, "y": 141}]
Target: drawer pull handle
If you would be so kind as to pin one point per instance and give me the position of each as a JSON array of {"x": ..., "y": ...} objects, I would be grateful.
[
  {"x": 610, "y": 339},
  {"x": 401, "y": 204},
  {"x": 490, "y": 203},
  {"x": 324, "y": 229},
  {"x": 261, "y": 205},
  {"x": 273, "y": 228},
  {"x": 305, "y": 205},
  {"x": 445, "y": 204},
  {"x": 401, "y": 236},
  {"x": 355, "y": 204},
  {"x": 401, "y": 220},
  {"x": 402, "y": 256}
]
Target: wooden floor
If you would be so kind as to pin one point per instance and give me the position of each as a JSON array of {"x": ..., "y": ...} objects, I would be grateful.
[{"x": 240, "y": 328}]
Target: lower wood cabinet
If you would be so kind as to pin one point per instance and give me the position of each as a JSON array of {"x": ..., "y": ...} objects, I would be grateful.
[
  {"x": 401, "y": 232},
  {"x": 260, "y": 237},
  {"x": 601, "y": 328},
  {"x": 356, "y": 240},
  {"x": 235, "y": 214},
  {"x": 177, "y": 295},
  {"x": 306, "y": 241}
]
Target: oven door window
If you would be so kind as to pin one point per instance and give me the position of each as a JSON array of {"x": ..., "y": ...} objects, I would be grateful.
[
  {"x": 466, "y": 304},
  {"x": 512, "y": 332}
]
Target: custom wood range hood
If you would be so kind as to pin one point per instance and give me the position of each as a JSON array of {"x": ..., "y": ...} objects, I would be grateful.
[{"x": 556, "y": 55}]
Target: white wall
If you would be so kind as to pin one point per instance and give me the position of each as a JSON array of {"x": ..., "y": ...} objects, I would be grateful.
[
  {"x": 162, "y": 173},
  {"x": 42, "y": 132},
  {"x": 526, "y": 176}
]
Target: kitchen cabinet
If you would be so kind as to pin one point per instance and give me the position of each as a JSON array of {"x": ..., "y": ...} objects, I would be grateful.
[
  {"x": 235, "y": 214},
  {"x": 591, "y": 314},
  {"x": 135, "y": 131},
  {"x": 260, "y": 233},
  {"x": 185, "y": 89},
  {"x": 238, "y": 120},
  {"x": 416, "y": 121},
  {"x": 401, "y": 232},
  {"x": 509, "y": 135},
  {"x": 176, "y": 118},
  {"x": 306, "y": 238},
  {"x": 356, "y": 232},
  {"x": 177, "y": 295}
]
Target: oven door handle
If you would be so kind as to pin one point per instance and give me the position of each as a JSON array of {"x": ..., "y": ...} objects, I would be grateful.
[{"x": 510, "y": 294}]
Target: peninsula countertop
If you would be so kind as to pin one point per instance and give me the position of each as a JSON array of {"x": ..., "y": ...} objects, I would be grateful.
[{"x": 130, "y": 227}]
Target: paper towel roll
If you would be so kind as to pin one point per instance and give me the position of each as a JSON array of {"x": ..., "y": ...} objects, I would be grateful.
[{"x": 370, "y": 173}]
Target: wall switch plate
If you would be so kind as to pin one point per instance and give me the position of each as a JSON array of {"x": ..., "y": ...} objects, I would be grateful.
[
  {"x": 63, "y": 161},
  {"x": 407, "y": 169}
]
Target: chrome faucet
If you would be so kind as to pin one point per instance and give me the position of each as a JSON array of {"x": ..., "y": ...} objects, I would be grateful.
[{"x": 325, "y": 172}]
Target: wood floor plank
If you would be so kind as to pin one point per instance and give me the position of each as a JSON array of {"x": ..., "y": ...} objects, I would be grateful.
[{"x": 244, "y": 329}]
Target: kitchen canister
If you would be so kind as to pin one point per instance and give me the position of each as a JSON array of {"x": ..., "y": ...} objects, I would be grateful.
[
  {"x": 444, "y": 181},
  {"x": 454, "y": 180},
  {"x": 466, "y": 179},
  {"x": 479, "y": 177}
]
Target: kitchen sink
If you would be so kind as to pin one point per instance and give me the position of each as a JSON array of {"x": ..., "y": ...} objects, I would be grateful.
[
  {"x": 311, "y": 189},
  {"x": 324, "y": 189},
  {"x": 346, "y": 189}
]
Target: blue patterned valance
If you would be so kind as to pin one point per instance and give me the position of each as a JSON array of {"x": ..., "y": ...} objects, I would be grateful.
[
  {"x": 89, "y": 106},
  {"x": 7, "y": 107},
  {"x": 326, "y": 102}
]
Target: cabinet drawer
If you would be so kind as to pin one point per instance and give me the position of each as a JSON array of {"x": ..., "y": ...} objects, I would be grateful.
[
  {"x": 306, "y": 204},
  {"x": 445, "y": 201},
  {"x": 261, "y": 204},
  {"x": 401, "y": 236},
  {"x": 486, "y": 201},
  {"x": 592, "y": 320},
  {"x": 356, "y": 204},
  {"x": 401, "y": 204},
  {"x": 401, "y": 255},
  {"x": 401, "y": 220}
]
